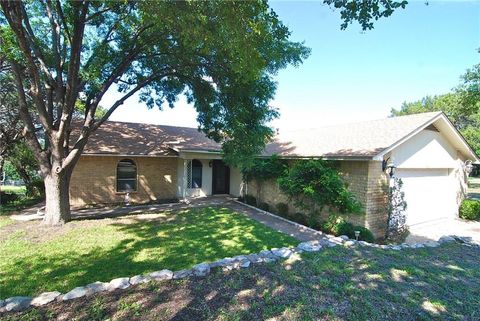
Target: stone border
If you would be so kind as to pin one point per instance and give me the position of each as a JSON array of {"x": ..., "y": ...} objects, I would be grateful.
[{"x": 20, "y": 303}]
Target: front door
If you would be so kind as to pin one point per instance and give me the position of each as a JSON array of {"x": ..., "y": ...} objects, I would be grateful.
[{"x": 221, "y": 178}]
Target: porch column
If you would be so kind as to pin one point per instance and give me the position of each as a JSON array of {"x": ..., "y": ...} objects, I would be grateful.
[{"x": 184, "y": 181}]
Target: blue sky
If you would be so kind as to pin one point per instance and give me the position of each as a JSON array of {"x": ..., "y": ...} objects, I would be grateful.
[{"x": 353, "y": 75}]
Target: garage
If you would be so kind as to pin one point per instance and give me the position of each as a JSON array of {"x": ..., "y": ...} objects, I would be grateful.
[{"x": 430, "y": 194}]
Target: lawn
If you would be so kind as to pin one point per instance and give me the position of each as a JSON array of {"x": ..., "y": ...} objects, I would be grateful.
[
  {"x": 35, "y": 258},
  {"x": 334, "y": 284},
  {"x": 13, "y": 189}
]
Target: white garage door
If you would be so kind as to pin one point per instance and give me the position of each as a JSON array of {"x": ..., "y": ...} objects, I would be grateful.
[{"x": 430, "y": 194}]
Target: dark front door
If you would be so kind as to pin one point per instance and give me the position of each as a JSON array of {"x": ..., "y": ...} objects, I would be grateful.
[{"x": 221, "y": 178}]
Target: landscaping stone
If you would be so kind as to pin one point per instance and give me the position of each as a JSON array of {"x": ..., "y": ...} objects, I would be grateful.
[
  {"x": 344, "y": 237},
  {"x": 245, "y": 264},
  {"x": 283, "y": 252},
  {"x": 254, "y": 258},
  {"x": 419, "y": 246},
  {"x": 446, "y": 239},
  {"x": 432, "y": 244},
  {"x": 311, "y": 246},
  {"x": 223, "y": 262},
  {"x": 161, "y": 275},
  {"x": 44, "y": 298},
  {"x": 78, "y": 292},
  {"x": 17, "y": 303},
  {"x": 350, "y": 243},
  {"x": 267, "y": 254},
  {"x": 384, "y": 247},
  {"x": 201, "y": 269},
  {"x": 363, "y": 243},
  {"x": 119, "y": 283},
  {"x": 97, "y": 287},
  {"x": 396, "y": 247},
  {"x": 337, "y": 240},
  {"x": 2, "y": 303},
  {"x": 139, "y": 279},
  {"x": 182, "y": 274}
]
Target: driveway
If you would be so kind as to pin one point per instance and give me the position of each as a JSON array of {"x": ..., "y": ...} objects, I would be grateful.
[{"x": 435, "y": 229}]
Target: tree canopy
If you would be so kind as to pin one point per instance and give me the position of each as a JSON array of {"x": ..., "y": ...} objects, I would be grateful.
[
  {"x": 221, "y": 55},
  {"x": 462, "y": 106}
]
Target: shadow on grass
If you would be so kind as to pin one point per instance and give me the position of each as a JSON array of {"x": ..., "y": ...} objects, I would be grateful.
[
  {"x": 339, "y": 283},
  {"x": 125, "y": 248}
]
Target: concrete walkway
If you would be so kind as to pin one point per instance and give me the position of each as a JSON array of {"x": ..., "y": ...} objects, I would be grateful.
[
  {"x": 432, "y": 231},
  {"x": 297, "y": 231}
]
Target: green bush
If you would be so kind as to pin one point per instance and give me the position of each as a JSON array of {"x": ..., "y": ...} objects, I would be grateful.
[
  {"x": 339, "y": 226},
  {"x": 264, "y": 206},
  {"x": 7, "y": 198},
  {"x": 282, "y": 209},
  {"x": 300, "y": 218},
  {"x": 470, "y": 210},
  {"x": 314, "y": 184},
  {"x": 251, "y": 200}
]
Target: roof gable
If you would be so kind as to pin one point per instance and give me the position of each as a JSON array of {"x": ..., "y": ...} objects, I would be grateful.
[{"x": 362, "y": 140}]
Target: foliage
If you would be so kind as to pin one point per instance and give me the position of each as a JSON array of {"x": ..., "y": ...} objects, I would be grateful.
[
  {"x": 93, "y": 250},
  {"x": 365, "y": 11},
  {"x": 8, "y": 198},
  {"x": 265, "y": 168},
  {"x": 264, "y": 206},
  {"x": 462, "y": 106},
  {"x": 337, "y": 226},
  {"x": 282, "y": 209},
  {"x": 221, "y": 55},
  {"x": 251, "y": 200},
  {"x": 313, "y": 184},
  {"x": 21, "y": 163},
  {"x": 470, "y": 209},
  {"x": 397, "y": 221}
]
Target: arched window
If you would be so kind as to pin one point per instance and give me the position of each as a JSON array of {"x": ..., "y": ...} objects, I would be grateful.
[
  {"x": 194, "y": 174},
  {"x": 126, "y": 176}
]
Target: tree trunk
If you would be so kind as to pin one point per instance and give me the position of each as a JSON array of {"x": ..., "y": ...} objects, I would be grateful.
[{"x": 57, "y": 198}]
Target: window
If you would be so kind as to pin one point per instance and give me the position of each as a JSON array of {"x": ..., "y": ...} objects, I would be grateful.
[
  {"x": 194, "y": 174},
  {"x": 126, "y": 176}
]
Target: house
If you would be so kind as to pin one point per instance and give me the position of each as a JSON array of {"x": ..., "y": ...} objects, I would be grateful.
[{"x": 149, "y": 163}]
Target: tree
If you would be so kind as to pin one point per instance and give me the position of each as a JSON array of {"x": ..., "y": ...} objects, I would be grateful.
[
  {"x": 462, "y": 106},
  {"x": 221, "y": 55}
]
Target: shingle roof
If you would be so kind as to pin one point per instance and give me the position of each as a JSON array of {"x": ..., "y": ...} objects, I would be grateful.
[
  {"x": 362, "y": 140},
  {"x": 356, "y": 140},
  {"x": 123, "y": 138}
]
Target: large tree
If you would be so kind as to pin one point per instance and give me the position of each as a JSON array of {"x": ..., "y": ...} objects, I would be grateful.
[
  {"x": 220, "y": 55},
  {"x": 462, "y": 106}
]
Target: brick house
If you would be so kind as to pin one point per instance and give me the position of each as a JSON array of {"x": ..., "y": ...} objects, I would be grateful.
[{"x": 142, "y": 163}]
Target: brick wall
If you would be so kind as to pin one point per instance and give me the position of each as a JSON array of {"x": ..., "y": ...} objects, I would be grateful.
[
  {"x": 364, "y": 179},
  {"x": 94, "y": 180}
]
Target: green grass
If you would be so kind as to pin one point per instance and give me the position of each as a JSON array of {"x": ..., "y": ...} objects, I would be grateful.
[
  {"x": 356, "y": 284},
  {"x": 13, "y": 189},
  {"x": 35, "y": 258},
  {"x": 22, "y": 203}
]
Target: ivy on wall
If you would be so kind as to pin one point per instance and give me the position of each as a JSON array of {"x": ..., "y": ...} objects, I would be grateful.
[
  {"x": 310, "y": 184},
  {"x": 397, "y": 228}
]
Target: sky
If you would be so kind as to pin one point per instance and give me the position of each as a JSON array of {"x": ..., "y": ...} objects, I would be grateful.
[{"x": 353, "y": 75}]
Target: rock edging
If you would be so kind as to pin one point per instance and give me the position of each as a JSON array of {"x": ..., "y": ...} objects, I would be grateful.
[{"x": 21, "y": 303}]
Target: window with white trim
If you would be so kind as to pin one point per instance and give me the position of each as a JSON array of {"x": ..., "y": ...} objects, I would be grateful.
[
  {"x": 194, "y": 174},
  {"x": 126, "y": 176}
]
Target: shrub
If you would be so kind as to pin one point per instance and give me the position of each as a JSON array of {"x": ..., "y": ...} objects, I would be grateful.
[
  {"x": 470, "y": 209},
  {"x": 300, "y": 218},
  {"x": 339, "y": 226},
  {"x": 314, "y": 184},
  {"x": 264, "y": 206},
  {"x": 251, "y": 200},
  {"x": 7, "y": 198},
  {"x": 36, "y": 188},
  {"x": 365, "y": 234},
  {"x": 282, "y": 209}
]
